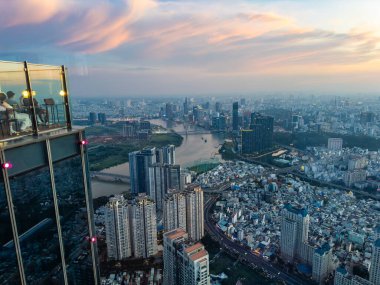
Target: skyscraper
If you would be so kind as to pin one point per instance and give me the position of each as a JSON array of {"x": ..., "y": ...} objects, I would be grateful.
[
  {"x": 174, "y": 210},
  {"x": 294, "y": 231},
  {"x": 262, "y": 127},
  {"x": 47, "y": 233},
  {"x": 186, "y": 107},
  {"x": 185, "y": 263},
  {"x": 374, "y": 271},
  {"x": 235, "y": 116},
  {"x": 322, "y": 263},
  {"x": 143, "y": 227},
  {"x": 139, "y": 162},
  {"x": 218, "y": 107},
  {"x": 247, "y": 141},
  {"x": 117, "y": 229},
  {"x": 166, "y": 154},
  {"x": 194, "y": 212},
  {"x": 92, "y": 118},
  {"x": 169, "y": 111},
  {"x": 161, "y": 178}
]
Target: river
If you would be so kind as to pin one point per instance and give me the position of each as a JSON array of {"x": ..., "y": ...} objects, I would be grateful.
[{"x": 194, "y": 148}]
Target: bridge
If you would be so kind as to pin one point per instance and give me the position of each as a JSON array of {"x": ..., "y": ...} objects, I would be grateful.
[
  {"x": 110, "y": 177},
  {"x": 194, "y": 132}
]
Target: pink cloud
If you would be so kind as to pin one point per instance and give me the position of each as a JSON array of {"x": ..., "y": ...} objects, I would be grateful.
[{"x": 22, "y": 12}]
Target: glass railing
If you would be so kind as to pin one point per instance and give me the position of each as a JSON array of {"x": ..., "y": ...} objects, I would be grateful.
[{"x": 33, "y": 99}]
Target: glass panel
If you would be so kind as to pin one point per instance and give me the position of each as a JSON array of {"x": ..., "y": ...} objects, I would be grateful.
[
  {"x": 47, "y": 95},
  {"x": 36, "y": 225},
  {"x": 70, "y": 189},
  {"x": 64, "y": 147},
  {"x": 14, "y": 117},
  {"x": 9, "y": 273},
  {"x": 26, "y": 158}
]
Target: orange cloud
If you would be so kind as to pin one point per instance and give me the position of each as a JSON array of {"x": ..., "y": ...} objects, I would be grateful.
[{"x": 104, "y": 27}]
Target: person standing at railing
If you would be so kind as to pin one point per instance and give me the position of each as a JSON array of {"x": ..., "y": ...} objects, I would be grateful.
[{"x": 21, "y": 118}]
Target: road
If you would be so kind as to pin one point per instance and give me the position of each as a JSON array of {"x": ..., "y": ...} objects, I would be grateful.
[{"x": 244, "y": 253}]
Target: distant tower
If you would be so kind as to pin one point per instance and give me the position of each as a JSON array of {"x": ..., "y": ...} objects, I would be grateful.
[
  {"x": 235, "y": 116},
  {"x": 374, "y": 271},
  {"x": 262, "y": 127},
  {"x": 294, "y": 231},
  {"x": 117, "y": 229},
  {"x": 186, "y": 107}
]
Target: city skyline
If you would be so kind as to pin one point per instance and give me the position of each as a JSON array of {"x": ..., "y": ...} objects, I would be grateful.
[{"x": 113, "y": 48}]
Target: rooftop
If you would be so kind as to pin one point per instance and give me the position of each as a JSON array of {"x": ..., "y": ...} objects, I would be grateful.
[
  {"x": 194, "y": 247},
  {"x": 196, "y": 256},
  {"x": 174, "y": 234},
  {"x": 296, "y": 210}
]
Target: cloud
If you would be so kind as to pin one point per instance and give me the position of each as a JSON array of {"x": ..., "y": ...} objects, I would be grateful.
[
  {"x": 78, "y": 25},
  {"x": 23, "y": 12},
  {"x": 190, "y": 38}
]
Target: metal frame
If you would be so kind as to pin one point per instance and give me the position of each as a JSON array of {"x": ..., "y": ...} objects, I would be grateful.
[
  {"x": 66, "y": 97},
  {"x": 56, "y": 208},
  {"x": 90, "y": 222},
  {"x": 12, "y": 217},
  {"x": 32, "y": 108},
  {"x": 94, "y": 254}
]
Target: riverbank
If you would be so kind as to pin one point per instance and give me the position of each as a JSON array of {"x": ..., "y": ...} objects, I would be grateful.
[
  {"x": 110, "y": 149},
  {"x": 303, "y": 140}
]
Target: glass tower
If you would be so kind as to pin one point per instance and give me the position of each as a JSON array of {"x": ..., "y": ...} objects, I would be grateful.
[{"x": 47, "y": 233}]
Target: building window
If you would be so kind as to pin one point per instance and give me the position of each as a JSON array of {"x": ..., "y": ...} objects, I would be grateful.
[
  {"x": 9, "y": 273},
  {"x": 36, "y": 225},
  {"x": 69, "y": 184}
]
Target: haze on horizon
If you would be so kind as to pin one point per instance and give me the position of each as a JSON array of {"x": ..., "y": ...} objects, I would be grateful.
[{"x": 168, "y": 47}]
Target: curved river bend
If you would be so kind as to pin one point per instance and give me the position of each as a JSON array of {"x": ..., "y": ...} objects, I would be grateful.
[{"x": 194, "y": 147}]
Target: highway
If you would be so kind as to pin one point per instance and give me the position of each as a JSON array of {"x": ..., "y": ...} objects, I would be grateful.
[{"x": 244, "y": 253}]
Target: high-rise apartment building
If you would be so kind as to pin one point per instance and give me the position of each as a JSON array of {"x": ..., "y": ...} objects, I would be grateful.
[
  {"x": 141, "y": 161},
  {"x": 185, "y": 210},
  {"x": 374, "y": 271},
  {"x": 47, "y": 233},
  {"x": 143, "y": 227},
  {"x": 322, "y": 263},
  {"x": 161, "y": 178},
  {"x": 335, "y": 143},
  {"x": 294, "y": 231},
  {"x": 174, "y": 210},
  {"x": 185, "y": 263},
  {"x": 235, "y": 116},
  {"x": 194, "y": 212},
  {"x": 342, "y": 277},
  {"x": 117, "y": 228},
  {"x": 166, "y": 154}
]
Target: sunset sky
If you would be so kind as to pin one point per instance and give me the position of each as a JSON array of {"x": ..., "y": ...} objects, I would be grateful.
[{"x": 195, "y": 47}]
